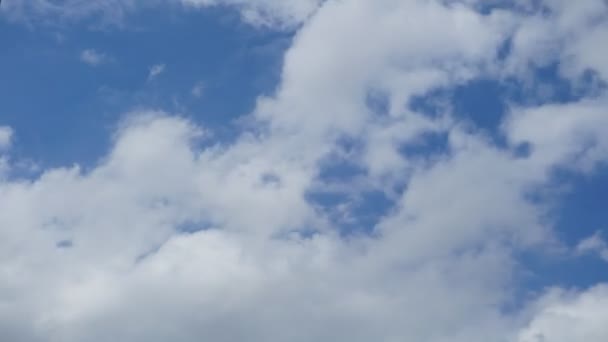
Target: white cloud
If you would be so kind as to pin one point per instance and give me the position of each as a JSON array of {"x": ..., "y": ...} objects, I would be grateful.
[
  {"x": 170, "y": 239},
  {"x": 594, "y": 244},
  {"x": 566, "y": 316},
  {"x": 93, "y": 57},
  {"x": 569, "y": 134},
  {"x": 571, "y": 34},
  {"x": 156, "y": 70},
  {"x": 247, "y": 272}
]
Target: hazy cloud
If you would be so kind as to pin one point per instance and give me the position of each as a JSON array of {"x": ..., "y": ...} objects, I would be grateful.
[
  {"x": 155, "y": 71},
  {"x": 93, "y": 57}
]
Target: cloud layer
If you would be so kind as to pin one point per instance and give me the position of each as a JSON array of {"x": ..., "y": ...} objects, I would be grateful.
[{"x": 176, "y": 236}]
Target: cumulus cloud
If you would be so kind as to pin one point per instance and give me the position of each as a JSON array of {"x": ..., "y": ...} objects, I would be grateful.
[
  {"x": 222, "y": 246},
  {"x": 557, "y": 131},
  {"x": 171, "y": 239},
  {"x": 570, "y": 316},
  {"x": 569, "y": 33}
]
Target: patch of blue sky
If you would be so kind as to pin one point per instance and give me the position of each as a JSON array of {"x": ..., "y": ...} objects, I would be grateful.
[
  {"x": 576, "y": 211},
  {"x": 342, "y": 168},
  {"x": 482, "y": 103},
  {"x": 352, "y": 204},
  {"x": 429, "y": 145},
  {"x": 352, "y": 213},
  {"x": 577, "y": 201},
  {"x": 538, "y": 271},
  {"x": 582, "y": 210},
  {"x": 64, "y": 111},
  {"x": 530, "y": 6}
]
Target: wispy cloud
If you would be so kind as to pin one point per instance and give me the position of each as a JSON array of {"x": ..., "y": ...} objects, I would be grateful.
[
  {"x": 594, "y": 244},
  {"x": 198, "y": 89},
  {"x": 156, "y": 70},
  {"x": 93, "y": 57},
  {"x": 6, "y": 136}
]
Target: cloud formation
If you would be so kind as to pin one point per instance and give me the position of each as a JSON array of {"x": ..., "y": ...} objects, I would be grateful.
[
  {"x": 570, "y": 316},
  {"x": 594, "y": 244},
  {"x": 155, "y": 71},
  {"x": 173, "y": 236},
  {"x": 93, "y": 57}
]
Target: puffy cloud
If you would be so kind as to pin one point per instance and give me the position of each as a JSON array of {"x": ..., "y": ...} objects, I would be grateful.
[
  {"x": 173, "y": 236},
  {"x": 557, "y": 132},
  {"x": 570, "y": 316},
  {"x": 167, "y": 241},
  {"x": 162, "y": 229},
  {"x": 568, "y": 32}
]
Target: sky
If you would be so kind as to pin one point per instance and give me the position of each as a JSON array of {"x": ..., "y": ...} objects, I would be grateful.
[{"x": 304, "y": 170}]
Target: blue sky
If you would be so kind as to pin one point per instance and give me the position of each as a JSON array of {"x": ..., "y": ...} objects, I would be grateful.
[
  {"x": 264, "y": 170},
  {"x": 211, "y": 48}
]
